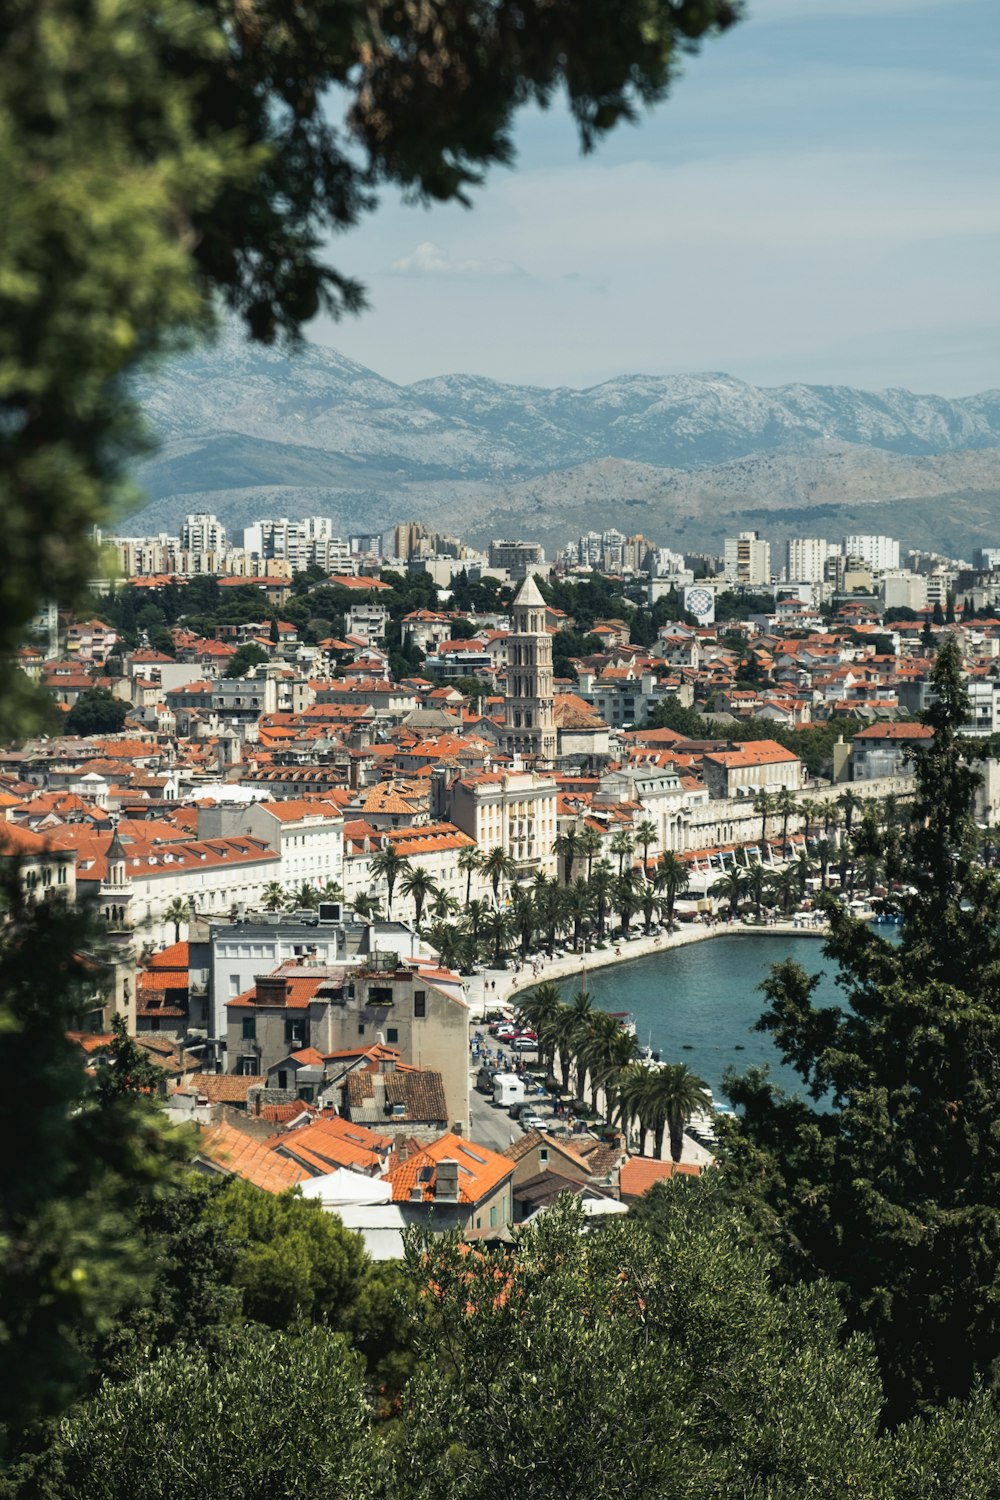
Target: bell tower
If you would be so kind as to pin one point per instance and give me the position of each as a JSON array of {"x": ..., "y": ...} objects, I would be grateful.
[{"x": 530, "y": 710}]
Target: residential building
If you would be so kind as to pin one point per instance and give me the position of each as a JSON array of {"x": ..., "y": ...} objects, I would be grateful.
[
  {"x": 879, "y": 552},
  {"x": 805, "y": 558},
  {"x": 747, "y": 560},
  {"x": 516, "y": 558}
]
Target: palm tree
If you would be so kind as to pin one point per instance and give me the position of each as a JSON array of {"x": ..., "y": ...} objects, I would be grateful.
[
  {"x": 627, "y": 896},
  {"x": 443, "y": 906},
  {"x": 450, "y": 944},
  {"x": 784, "y": 885},
  {"x": 274, "y": 896},
  {"x": 785, "y": 804},
  {"x": 591, "y": 844},
  {"x": 601, "y": 885},
  {"x": 388, "y": 865},
  {"x": 675, "y": 1094},
  {"x": 812, "y": 812},
  {"x": 672, "y": 879},
  {"x": 177, "y": 912},
  {"x": 730, "y": 887},
  {"x": 498, "y": 866},
  {"x": 849, "y": 802},
  {"x": 476, "y": 914},
  {"x": 648, "y": 903},
  {"x": 524, "y": 915},
  {"x": 332, "y": 891},
  {"x": 562, "y": 1029},
  {"x": 499, "y": 929},
  {"x": 755, "y": 885},
  {"x": 646, "y": 834},
  {"x": 367, "y": 907},
  {"x": 824, "y": 853},
  {"x": 469, "y": 861},
  {"x": 550, "y": 903},
  {"x": 633, "y": 1091},
  {"x": 803, "y": 866},
  {"x": 608, "y": 1050},
  {"x": 540, "y": 1009},
  {"x": 566, "y": 847},
  {"x": 623, "y": 846},
  {"x": 578, "y": 904},
  {"x": 581, "y": 1011},
  {"x": 420, "y": 884},
  {"x": 763, "y": 803},
  {"x": 304, "y": 897}
]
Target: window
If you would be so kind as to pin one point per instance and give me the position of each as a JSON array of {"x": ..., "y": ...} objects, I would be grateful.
[
  {"x": 493, "y": 1217},
  {"x": 361, "y": 1028},
  {"x": 543, "y": 1156},
  {"x": 295, "y": 1031},
  {"x": 306, "y": 1093},
  {"x": 392, "y": 1034},
  {"x": 249, "y": 1028},
  {"x": 234, "y": 984},
  {"x": 248, "y": 1066},
  {"x": 420, "y": 1002},
  {"x": 283, "y": 1078}
]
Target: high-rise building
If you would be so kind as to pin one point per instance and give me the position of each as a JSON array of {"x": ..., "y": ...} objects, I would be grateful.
[
  {"x": 530, "y": 707},
  {"x": 202, "y": 533},
  {"x": 879, "y": 552},
  {"x": 805, "y": 558},
  {"x": 747, "y": 560},
  {"x": 516, "y": 558}
]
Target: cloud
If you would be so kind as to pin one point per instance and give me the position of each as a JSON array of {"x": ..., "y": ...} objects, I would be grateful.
[{"x": 429, "y": 260}]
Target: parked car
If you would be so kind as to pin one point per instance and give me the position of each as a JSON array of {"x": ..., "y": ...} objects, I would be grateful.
[
  {"x": 533, "y": 1122},
  {"x": 524, "y": 1044}
]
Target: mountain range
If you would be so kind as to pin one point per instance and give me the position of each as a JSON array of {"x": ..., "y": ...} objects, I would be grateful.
[{"x": 247, "y": 431}]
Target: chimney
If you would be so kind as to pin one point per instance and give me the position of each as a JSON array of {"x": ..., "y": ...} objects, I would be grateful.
[{"x": 446, "y": 1181}]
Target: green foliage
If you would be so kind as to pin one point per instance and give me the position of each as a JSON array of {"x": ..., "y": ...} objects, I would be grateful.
[
  {"x": 96, "y": 712},
  {"x": 888, "y": 1181},
  {"x": 297, "y": 1262},
  {"x": 82, "y": 1159},
  {"x": 244, "y": 658},
  {"x": 273, "y": 1417},
  {"x": 651, "y": 1358}
]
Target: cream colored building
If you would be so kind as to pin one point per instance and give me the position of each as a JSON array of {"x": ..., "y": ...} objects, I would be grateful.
[{"x": 515, "y": 810}]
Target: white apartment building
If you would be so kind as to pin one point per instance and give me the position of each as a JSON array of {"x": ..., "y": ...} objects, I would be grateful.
[
  {"x": 747, "y": 560},
  {"x": 879, "y": 552},
  {"x": 310, "y": 540},
  {"x": 805, "y": 558},
  {"x": 202, "y": 533}
]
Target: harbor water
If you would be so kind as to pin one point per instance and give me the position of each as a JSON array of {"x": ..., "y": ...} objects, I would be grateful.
[{"x": 698, "y": 1004}]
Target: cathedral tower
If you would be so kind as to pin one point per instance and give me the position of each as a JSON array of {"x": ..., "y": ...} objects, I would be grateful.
[{"x": 530, "y": 715}]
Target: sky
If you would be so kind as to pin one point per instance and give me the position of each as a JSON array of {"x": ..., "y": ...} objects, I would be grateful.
[{"x": 817, "y": 201}]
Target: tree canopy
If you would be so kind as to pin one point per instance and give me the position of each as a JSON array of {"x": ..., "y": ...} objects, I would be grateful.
[{"x": 886, "y": 1175}]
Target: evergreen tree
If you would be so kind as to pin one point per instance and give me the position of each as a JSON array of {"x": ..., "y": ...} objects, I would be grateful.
[{"x": 886, "y": 1176}]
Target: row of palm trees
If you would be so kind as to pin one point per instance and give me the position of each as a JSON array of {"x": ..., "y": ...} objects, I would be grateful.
[
  {"x": 544, "y": 913},
  {"x": 869, "y": 845},
  {"x": 596, "y": 1054}
]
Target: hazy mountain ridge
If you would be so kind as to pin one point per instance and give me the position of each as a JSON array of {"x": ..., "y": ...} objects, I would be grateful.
[{"x": 244, "y": 428}]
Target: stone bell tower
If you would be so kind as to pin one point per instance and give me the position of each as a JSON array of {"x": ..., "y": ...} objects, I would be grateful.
[{"x": 530, "y": 712}]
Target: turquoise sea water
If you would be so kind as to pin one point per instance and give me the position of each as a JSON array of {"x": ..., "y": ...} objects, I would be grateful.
[{"x": 698, "y": 1004}]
